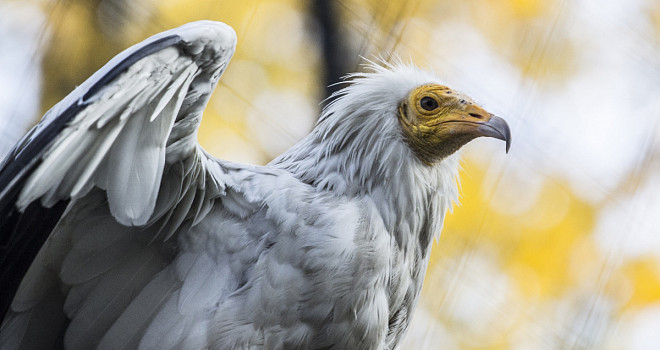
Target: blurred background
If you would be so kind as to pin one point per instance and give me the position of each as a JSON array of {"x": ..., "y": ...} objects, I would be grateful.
[{"x": 554, "y": 246}]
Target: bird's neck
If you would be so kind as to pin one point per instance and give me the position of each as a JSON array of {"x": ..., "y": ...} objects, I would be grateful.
[
  {"x": 374, "y": 166},
  {"x": 411, "y": 197}
]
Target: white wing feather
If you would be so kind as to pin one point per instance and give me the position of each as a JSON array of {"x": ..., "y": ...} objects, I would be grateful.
[{"x": 111, "y": 160}]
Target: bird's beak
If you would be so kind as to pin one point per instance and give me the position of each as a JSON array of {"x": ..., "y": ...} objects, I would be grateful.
[
  {"x": 481, "y": 123},
  {"x": 498, "y": 128}
]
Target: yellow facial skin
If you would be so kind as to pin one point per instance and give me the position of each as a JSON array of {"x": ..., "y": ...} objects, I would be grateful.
[{"x": 437, "y": 121}]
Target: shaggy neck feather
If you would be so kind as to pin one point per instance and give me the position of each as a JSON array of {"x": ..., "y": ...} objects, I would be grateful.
[
  {"x": 358, "y": 150},
  {"x": 362, "y": 153}
]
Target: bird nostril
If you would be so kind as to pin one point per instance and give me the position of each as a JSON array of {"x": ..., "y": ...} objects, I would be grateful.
[{"x": 475, "y": 115}]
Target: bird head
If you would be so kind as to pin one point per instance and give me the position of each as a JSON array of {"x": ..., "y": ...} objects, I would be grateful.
[
  {"x": 391, "y": 123},
  {"x": 436, "y": 121}
]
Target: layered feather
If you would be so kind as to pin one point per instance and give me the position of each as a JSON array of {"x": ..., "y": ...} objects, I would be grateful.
[{"x": 132, "y": 130}]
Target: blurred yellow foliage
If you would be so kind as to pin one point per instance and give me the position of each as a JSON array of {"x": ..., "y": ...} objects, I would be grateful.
[
  {"x": 653, "y": 14},
  {"x": 644, "y": 275},
  {"x": 74, "y": 50},
  {"x": 557, "y": 221}
]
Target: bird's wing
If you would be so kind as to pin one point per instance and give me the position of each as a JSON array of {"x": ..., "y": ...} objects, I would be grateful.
[{"x": 126, "y": 136}]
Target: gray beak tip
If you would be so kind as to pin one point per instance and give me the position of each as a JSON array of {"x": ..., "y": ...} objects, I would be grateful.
[{"x": 498, "y": 128}]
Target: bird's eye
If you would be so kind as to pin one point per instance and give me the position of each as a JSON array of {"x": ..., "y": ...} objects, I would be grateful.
[{"x": 428, "y": 103}]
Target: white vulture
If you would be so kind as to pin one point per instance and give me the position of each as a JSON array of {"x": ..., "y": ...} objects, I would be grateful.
[{"x": 118, "y": 231}]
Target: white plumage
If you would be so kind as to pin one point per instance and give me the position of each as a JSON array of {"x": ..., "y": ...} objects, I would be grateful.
[{"x": 157, "y": 245}]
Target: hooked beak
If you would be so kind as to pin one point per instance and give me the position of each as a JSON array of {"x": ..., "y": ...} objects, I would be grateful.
[
  {"x": 496, "y": 127},
  {"x": 485, "y": 124}
]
